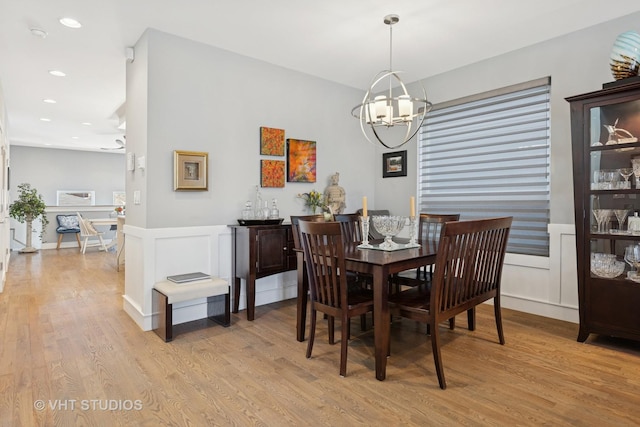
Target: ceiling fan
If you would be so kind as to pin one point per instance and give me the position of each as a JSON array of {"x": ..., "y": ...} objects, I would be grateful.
[{"x": 121, "y": 144}]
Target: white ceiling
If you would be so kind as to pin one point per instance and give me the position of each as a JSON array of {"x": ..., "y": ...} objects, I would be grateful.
[{"x": 340, "y": 40}]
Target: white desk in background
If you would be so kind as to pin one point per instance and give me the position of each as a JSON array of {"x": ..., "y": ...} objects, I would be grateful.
[{"x": 119, "y": 223}]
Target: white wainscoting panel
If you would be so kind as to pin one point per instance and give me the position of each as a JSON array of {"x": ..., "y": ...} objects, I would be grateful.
[
  {"x": 153, "y": 254},
  {"x": 546, "y": 286}
]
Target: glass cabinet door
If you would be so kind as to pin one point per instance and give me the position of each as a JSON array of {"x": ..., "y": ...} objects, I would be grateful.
[{"x": 614, "y": 190}]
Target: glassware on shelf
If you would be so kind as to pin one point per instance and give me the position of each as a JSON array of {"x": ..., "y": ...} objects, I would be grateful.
[
  {"x": 258, "y": 213},
  {"x": 389, "y": 226},
  {"x": 610, "y": 179},
  {"x": 632, "y": 257},
  {"x": 635, "y": 163},
  {"x": 626, "y": 174},
  {"x": 602, "y": 217},
  {"x": 598, "y": 180},
  {"x": 247, "y": 212},
  {"x": 621, "y": 216},
  {"x": 274, "y": 213},
  {"x": 606, "y": 265}
]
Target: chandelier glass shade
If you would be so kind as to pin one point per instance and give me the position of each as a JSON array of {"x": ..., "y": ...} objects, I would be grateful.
[{"x": 388, "y": 113}]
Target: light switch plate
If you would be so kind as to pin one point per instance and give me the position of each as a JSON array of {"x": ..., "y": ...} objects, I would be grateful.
[
  {"x": 131, "y": 162},
  {"x": 136, "y": 197},
  {"x": 141, "y": 162}
]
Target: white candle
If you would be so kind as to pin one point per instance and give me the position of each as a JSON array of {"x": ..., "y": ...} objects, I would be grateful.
[
  {"x": 413, "y": 207},
  {"x": 364, "y": 207}
]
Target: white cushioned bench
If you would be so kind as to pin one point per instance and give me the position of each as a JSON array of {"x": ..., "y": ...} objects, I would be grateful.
[{"x": 166, "y": 293}]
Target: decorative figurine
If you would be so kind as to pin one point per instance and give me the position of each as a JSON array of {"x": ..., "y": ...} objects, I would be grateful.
[
  {"x": 335, "y": 195},
  {"x": 618, "y": 135}
]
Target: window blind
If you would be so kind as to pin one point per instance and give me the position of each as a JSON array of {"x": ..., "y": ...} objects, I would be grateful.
[{"x": 488, "y": 156}]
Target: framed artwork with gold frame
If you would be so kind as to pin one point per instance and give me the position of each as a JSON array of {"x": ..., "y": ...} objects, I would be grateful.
[{"x": 190, "y": 170}]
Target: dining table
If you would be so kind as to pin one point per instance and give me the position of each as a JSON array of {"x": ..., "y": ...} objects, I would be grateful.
[{"x": 380, "y": 264}]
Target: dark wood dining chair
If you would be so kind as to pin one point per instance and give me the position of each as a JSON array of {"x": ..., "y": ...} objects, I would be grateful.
[
  {"x": 301, "y": 269},
  {"x": 326, "y": 270},
  {"x": 468, "y": 272},
  {"x": 429, "y": 226},
  {"x": 350, "y": 224}
]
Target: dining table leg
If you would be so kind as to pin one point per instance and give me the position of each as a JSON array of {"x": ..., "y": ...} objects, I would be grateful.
[
  {"x": 381, "y": 319},
  {"x": 303, "y": 287}
]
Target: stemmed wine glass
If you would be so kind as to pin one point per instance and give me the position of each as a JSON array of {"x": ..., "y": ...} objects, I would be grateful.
[
  {"x": 626, "y": 174},
  {"x": 621, "y": 215},
  {"x": 601, "y": 215},
  {"x": 632, "y": 257},
  {"x": 636, "y": 171}
]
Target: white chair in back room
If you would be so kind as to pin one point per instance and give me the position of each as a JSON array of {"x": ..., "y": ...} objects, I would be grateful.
[{"x": 88, "y": 231}]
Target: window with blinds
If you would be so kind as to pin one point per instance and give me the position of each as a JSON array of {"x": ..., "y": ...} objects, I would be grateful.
[{"x": 487, "y": 156}]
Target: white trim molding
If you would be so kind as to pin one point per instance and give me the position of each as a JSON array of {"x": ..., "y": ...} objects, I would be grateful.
[{"x": 153, "y": 254}]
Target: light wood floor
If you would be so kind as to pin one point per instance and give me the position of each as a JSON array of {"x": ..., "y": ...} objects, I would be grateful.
[{"x": 65, "y": 342}]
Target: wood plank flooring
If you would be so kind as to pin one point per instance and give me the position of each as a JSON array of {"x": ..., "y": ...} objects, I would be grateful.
[{"x": 66, "y": 344}]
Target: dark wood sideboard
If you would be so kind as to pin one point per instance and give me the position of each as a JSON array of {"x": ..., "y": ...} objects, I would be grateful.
[{"x": 258, "y": 251}]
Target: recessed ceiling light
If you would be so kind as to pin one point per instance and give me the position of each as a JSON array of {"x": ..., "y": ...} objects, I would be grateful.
[
  {"x": 86, "y": 123},
  {"x": 75, "y": 137},
  {"x": 49, "y": 101},
  {"x": 70, "y": 22},
  {"x": 57, "y": 73},
  {"x": 44, "y": 119},
  {"x": 38, "y": 32}
]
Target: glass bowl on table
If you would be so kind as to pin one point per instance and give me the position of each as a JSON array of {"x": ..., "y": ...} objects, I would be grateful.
[{"x": 389, "y": 226}]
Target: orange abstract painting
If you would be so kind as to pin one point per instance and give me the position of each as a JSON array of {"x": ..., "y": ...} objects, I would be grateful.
[
  {"x": 271, "y": 141},
  {"x": 301, "y": 158},
  {"x": 272, "y": 173}
]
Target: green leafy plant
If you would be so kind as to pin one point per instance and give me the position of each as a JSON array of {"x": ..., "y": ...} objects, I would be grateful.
[
  {"x": 313, "y": 199},
  {"x": 29, "y": 206}
]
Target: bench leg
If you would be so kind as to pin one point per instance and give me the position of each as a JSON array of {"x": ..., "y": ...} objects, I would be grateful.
[
  {"x": 163, "y": 320},
  {"x": 218, "y": 309},
  {"x": 59, "y": 240}
]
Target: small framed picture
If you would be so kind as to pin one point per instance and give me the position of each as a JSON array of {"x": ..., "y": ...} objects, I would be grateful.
[
  {"x": 190, "y": 170},
  {"x": 394, "y": 164}
]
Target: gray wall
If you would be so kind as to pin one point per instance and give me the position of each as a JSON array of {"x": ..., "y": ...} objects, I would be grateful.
[
  {"x": 183, "y": 95},
  {"x": 577, "y": 63},
  {"x": 49, "y": 170}
]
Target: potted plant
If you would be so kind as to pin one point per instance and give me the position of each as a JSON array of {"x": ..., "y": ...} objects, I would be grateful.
[{"x": 28, "y": 208}]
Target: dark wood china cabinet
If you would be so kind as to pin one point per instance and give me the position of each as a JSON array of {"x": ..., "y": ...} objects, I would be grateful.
[{"x": 605, "y": 128}]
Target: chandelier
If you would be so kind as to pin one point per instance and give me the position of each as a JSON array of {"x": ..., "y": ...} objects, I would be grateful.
[{"x": 389, "y": 115}]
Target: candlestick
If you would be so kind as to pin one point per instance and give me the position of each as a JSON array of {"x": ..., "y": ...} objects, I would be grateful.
[
  {"x": 364, "y": 227},
  {"x": 412, "y": 233}
]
